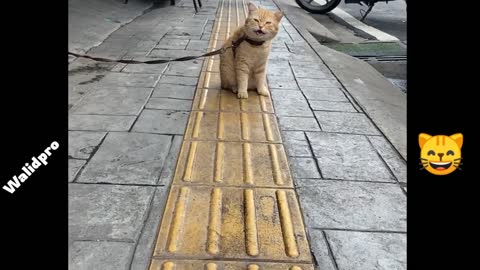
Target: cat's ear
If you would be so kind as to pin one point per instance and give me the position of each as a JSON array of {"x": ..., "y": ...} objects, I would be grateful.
[
  {"x": 458, "y": 138},
  {"x": 278, "y": 15},
  {"x": 423, "y": 138},
  {"x": 251, "y": 7}
]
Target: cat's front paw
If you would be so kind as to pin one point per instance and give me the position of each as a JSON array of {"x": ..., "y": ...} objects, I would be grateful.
[
  {"x": 262, "y": 91},
  {"x": 242, "y": 94}
]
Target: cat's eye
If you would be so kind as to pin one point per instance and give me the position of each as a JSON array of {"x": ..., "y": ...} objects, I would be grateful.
[
  {"x": 256, "y": 20},
  {"x": 450, "y": 153},
  {"x": 268, "y": 22},
  {"x": 431, "y": 153}
]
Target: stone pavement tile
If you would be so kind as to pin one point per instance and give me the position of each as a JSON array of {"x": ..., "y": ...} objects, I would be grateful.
[
  {"x": 128, "y": 158},
  {"x": 328, "y": 94},
  {"x": 290, "y": 103},
  {"x": 298, "y": 123},
  {"x": 350, "y": 157},
  {"x": 188, "y": 69},
  {"x": 320, "y": 250},
  {"x": 391, "y": 157},
  {"x": 100, "y": 122},
  {"x": 205, "y": 36},
  {"x": 173, "y": 43},
  {"x": 107, "y": 212},
  {"x": 334, "y": 106},
  {"x": 174, "y": 91},
  {"x": 87, "y": 66},
  {"x": 169, "y": 104},
  {"x": 170, "y": 54},
  {"x": 168, "y": 170},
  {"x": 279, "y": 68},
  {"x": 74, "y": 166},
  {"x": 345, "y": 122},
  {"x": 307, "y": 70},
  {"x": 91, "y": 255},
  {"x": 296, "y": 144},
  {"x": 81, "y": 144},
  {"x": 114, "y": 101},
  {"x": 301, "y": 49},
  {"x": 199, "y": 45},
  {"x": 147, "y": 69},
  {"x": 178, "y": 80},
  {"x": 331, "y": 204},
  {"x": 309, "y": 83},
  {"x": 81, "y": 84},
  {"x": 146, "y": 242},
  {"x": 302, "y": 167},
  {"x": 279, "y": 48},
  {"x": 186, "y": 30},
  {"x": 367, "y": 250},
  {"x": 281, "y": 82},
  {"x": 175, "y": 36},
  {"x": 129, "y": 79},
  {"x": 162, "y": 121}
]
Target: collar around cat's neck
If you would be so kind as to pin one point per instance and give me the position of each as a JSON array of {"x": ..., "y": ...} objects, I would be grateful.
[
  {"x": 254, "y": 42},
  {"x": 251, "y": 41}
]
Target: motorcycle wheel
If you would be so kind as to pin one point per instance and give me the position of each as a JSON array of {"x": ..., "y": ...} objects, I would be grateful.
[{"x": 320, "y": 7}]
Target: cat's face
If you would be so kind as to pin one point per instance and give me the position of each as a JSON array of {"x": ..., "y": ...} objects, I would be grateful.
[
  {"x": 261, "y": 24},
  {"x": 440, "y": 154}
]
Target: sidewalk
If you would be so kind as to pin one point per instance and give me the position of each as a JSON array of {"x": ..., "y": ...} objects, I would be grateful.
[{"x": 133, "y": 142}]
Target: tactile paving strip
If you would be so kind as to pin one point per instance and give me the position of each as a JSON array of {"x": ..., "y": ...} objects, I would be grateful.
[{"x": 232, "y": 204}]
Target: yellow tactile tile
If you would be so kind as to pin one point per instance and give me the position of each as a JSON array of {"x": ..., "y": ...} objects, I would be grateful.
[
  {"x": 233, "y": 126},
  {"x": 233, "y": 163},
  {"x": 214, "y": 66},
  {"x": 232, "y": 203},
  {"x": 232, "y": 223},
  {"x": 225, "y": 265},
  {"x": 216, "y": 99}
]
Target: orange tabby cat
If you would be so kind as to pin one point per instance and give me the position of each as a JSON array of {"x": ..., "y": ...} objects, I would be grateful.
[{"x": 245, "y": 67}]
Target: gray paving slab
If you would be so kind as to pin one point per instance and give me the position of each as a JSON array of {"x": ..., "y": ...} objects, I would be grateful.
[
  {"x": 146, "y": 242},
  {"x": 174, "y": 91},
  {"x": 327, "y": 94},
  {"x": 91, "y": 255},
  {"x": 74, "y": 166},
  {"x": 169, "y": 104},
  {"x": 100, "y": 122},
  {"x": 291, "y": 103},
  {"x": 349, "y": 157},
  {"x": 391, "y": 157},
  {"x": 296, "y": 144},
  {"x": 349, "y": 205},
  {"x": 298, "y": 123},
  {"x": 107, "y": 212},
  {"x": 162, "y": 122},
  {"x": 129, "y": 79},
  {"x": 367, "y": 250},
  {"x": 346, "y": 122},
  {"x": 128, "y": 158},
  {"x": 81, "y": 144},
  {"x": 114, "y": 101}
]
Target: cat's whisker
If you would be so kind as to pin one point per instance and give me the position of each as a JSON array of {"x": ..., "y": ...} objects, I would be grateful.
[
  {"x": 458, "y": 158},
  {"x": 423, "y": 158}
]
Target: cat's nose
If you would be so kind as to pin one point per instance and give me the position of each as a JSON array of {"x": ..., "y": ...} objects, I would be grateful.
[{"x": 441, "y": 155}]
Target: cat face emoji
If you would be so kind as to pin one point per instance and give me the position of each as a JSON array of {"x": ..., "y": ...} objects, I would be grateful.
[{"x": 440, "y": 154}]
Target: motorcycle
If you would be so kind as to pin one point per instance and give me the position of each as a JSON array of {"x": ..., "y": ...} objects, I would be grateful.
[{"x": 324, "y": 6}]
